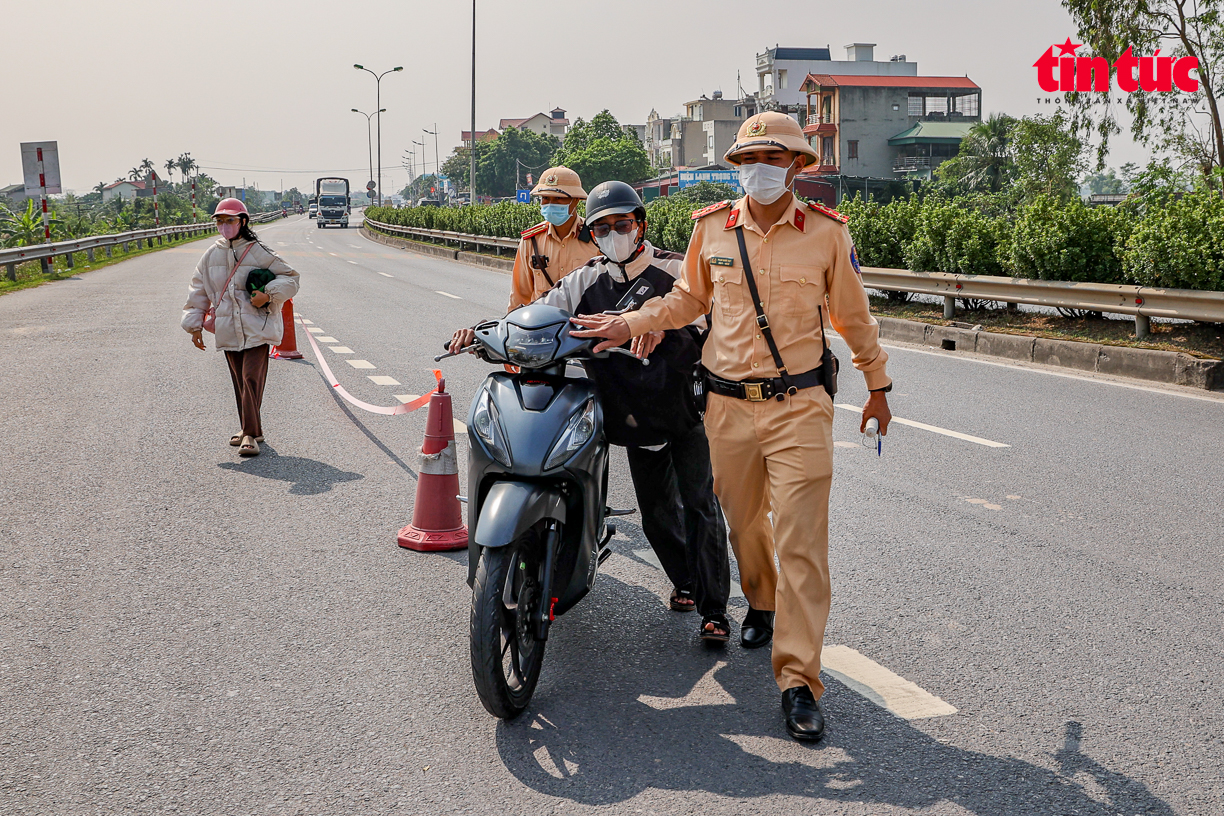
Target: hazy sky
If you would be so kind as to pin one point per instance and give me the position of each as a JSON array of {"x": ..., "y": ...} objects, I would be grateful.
[{"x": 264, "y": 89}]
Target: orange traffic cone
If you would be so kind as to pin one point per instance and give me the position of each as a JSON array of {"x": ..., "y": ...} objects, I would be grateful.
[
  {"x": 288, "y": 344},
  {"x": 437, "y": 519}
]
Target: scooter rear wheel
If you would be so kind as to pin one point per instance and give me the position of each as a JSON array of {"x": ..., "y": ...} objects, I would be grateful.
[{"x": 506, "y": 657}]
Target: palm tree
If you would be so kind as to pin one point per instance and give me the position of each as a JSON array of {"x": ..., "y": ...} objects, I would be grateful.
[
  {"x": 186, "y": 164},
  {"x": 985, "y": 155},
  {"x": 135, "y": 173},
  {"x": 100, "y": 187},
  {"x": 147, "y": 166},
  {"x": 170, "y": 165}
]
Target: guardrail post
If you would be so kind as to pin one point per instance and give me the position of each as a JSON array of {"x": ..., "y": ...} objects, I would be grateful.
[
  {"x": 949, "y": 307},
  {"x": 108, "y": 250},
  {"x": 46, "y": 268},
  {"x": 68, "y": 258},
  {"x": 10, "y": 271},
  {"x": 89, "y": 253},
  {"x": 1143, "y": 326}
]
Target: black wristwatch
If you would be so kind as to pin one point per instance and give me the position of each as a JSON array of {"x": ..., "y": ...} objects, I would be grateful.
[{"x": 886, "y": 389}]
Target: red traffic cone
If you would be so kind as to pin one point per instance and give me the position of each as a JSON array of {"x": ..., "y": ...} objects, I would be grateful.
[
  {"x": 437, "y": 519},
  {"x": 288, "y": 344}
]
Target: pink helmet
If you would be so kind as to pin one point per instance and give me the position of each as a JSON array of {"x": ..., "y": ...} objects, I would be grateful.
[{"x": 230, "y": 206}]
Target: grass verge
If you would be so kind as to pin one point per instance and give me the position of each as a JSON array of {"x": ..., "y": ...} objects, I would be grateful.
[
  {"x": 30, "y": 274},
  {"x": 1198, "y": 339}
]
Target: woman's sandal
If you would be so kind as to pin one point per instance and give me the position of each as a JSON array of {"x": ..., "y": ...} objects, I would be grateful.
[
  {"x": 236, "y": 439},
  {"x": 249, "y": 447},
  {"x": 718, "y": 633},
  {"x": 682, "y": 601}
]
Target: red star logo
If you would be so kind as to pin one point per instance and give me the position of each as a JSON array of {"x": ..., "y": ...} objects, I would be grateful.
[{"x": 1067, "y": 48}]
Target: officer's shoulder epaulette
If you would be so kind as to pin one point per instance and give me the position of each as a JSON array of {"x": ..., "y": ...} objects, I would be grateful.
[
  {"x": 713, "y": 208},
  {"x": 825, "y": 211},
  {"x": 532, "y": 232}
]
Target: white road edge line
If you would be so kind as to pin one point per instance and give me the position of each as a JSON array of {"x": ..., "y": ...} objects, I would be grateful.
[
  {"x": 886, "y": 689},
  {"x": 933, "y": 429},
  {"x": 447, "y": 294}
]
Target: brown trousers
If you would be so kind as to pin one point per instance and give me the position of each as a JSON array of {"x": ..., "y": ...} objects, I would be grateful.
[
  {"x": 779, "y": 456},
  {"x": 249, "y": 371}
]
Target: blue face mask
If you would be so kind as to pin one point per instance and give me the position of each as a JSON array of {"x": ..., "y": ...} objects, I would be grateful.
[{"x": 555, "y": 214}]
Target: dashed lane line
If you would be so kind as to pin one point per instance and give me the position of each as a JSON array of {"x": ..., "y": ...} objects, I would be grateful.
[
  {"x": 327, "y": 340},
  {"x": 354, "y": 263},
  {"x": 385, "y": 275},
  {"x": 314, "y": 330},
  {"x": 447, "y": 294},
  {"x": 341, "y": 349},
  {"x": 337, "y": 254},
  {"x": 366, "y": 364},
  {"x": 382, "y": 379},
  {"x": 934, "y": 429}
]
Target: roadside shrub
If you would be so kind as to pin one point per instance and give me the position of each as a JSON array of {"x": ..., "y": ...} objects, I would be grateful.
[
  {"x": 1179, "y": 245},
  {"x": 1070, "y": 242},
  {"x": 948, "y": 238},
  {"x": 881, "y": 231}
]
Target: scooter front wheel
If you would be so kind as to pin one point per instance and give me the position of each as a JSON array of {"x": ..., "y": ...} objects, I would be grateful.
[{"x": 506, "y": 657}]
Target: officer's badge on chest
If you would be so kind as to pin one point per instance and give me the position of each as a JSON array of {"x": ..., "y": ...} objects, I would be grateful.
[{"x": 721, "y": 262}]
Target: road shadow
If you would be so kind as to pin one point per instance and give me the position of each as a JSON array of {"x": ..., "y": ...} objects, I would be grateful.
[
  {"x": 627, "y": 707},
  {"x": 307, "y": 477}
]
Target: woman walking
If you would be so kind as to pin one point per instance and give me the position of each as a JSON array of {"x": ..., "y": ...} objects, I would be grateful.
[{"x": 246, "y": 316}]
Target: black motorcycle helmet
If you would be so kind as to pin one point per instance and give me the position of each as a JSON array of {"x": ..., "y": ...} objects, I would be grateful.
[{"x": 613, "y": 198}]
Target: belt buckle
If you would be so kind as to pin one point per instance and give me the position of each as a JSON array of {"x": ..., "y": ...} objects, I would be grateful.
[{"x": 753, "y": 392}]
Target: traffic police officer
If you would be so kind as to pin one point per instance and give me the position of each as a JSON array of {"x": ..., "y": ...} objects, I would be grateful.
[
  {"x": 556, "y": 246},
  {"x": 767, "y": 265}
]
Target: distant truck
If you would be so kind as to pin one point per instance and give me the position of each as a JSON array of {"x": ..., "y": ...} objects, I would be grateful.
[{"x": 333, "y": 199}]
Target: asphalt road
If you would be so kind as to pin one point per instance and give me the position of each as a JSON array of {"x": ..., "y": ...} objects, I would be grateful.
[{"x": 185, "y": 632}]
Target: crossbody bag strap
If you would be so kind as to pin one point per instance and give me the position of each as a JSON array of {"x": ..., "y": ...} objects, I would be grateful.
[
  {"x": 761, "y": 320},
  {"x": 225, "y": 288},
  {"x": 535, "y": 253}
]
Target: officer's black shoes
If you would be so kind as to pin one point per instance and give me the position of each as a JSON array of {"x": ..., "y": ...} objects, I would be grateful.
[
  {"x": 757, "y": 629},
  {"x": 804, "y": 720}
]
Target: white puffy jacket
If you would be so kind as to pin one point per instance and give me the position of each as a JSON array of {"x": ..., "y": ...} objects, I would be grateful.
[{"x": 239, "y": 324}]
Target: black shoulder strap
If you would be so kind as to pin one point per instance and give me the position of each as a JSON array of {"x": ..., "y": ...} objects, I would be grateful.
[
  {"x": 761, "y": 320},
  {"x": 542, "y": 260}
]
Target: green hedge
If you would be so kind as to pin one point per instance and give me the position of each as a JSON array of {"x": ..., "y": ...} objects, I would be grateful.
[{"x": 1177, "y": 244}]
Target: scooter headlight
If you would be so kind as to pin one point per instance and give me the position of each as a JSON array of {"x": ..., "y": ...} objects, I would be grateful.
[
  {"x": 578, "y": 431},
  {"x": 487, "y": 424},
  {"x": 531, "y": 347}
]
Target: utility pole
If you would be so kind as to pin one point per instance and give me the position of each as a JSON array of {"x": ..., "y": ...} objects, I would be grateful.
[
  {"x": 472, "y": 169},
  {"x": 378, "y": 107}
]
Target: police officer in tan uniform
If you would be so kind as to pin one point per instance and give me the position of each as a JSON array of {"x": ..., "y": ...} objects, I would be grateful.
[
  {"x": 771, "y": 268},
  {"x": 556, "y": 246}
]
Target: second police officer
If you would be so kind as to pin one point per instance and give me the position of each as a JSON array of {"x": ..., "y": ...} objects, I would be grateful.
[{"x": 766, "y": 266}]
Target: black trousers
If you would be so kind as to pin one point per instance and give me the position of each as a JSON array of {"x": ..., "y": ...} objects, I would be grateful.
[{"x": 681, "y": 517}]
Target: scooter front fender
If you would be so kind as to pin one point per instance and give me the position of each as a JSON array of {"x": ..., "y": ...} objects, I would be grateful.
[{"x": 512, "y": 508}]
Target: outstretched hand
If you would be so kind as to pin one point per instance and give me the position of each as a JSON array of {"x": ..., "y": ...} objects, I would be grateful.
[{"x": 613, "y": 328}]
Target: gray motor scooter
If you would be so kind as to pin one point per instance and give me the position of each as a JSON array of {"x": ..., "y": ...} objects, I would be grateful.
[{"x": 537, "y": 484}]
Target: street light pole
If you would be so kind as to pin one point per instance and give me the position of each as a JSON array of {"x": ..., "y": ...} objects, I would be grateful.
[
  {"x": 380, "y": 109},
  {"x": 422, "y": 146},
  {"x": 369, "y": 148},
  {"x": 472, "y": 169},
  {"x": 437, "y": 164}
]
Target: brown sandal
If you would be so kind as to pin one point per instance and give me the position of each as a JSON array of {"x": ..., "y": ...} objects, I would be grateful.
[
  {"x": 236, "y": 439},
  {"x": 249, "y": 447}
]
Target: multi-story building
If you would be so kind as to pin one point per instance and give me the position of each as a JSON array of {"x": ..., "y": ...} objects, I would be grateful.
[
  {"x": 700, "y": 136},
  {"x": 781, "y": 71},
  {"x": 553, "y": 123},
  {"x": 887, "y": 126}
]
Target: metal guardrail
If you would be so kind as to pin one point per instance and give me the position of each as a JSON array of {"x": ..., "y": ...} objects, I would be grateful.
[
  {"x": 1143, "y": 302},
  {"x": 446, "y": 235},
  {"x": 12, "y": 256}
]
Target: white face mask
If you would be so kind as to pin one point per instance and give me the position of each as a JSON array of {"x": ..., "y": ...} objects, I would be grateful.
[
  {"x": 619, "y": 248},
  {"x": 764, "y": 182}
]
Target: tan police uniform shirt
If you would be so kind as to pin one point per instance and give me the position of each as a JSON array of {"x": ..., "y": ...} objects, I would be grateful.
[
  {"x": 798, "y": 262},
  {"x": 565, "y": 254}
]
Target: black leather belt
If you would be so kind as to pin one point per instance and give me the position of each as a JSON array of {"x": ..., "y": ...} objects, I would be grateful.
[{"x": 761, "y": 390}]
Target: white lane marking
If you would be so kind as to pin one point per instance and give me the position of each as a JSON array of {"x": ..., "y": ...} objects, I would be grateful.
[
  {"x": 385, "y": 275},
  {"x": 884, "y": 688},
  {"x": 327, "y": 340},
  {"x": 705, "y": 692},
  {"x": 314, "y": 330},
  {"x": 306, "y": 322},
  {"x": 933, "y": 429},
  {"x": 355, "y": 246},
  {"x": 382, "y": 379},
  {"x": 337, "y": 254},
  {"x": 635, "y": 573},
  {"x": 407, "y": 398},
  {"x": 354, "y": 263},
  {"x": 341, "y": 349},
  {"x": 1080, "y": 377},
  {"x": 361, "y": 364},
  {"x": 648, "y": 555},
  {"x": 460, "y": 428},
  {"x": 850, "y": 445},
  {"x": 282, "y": 243},
  {"x": 447, "y": 294}
]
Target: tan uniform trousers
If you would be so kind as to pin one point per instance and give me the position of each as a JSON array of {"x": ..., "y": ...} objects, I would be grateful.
[{"x": 779, "y": 451}]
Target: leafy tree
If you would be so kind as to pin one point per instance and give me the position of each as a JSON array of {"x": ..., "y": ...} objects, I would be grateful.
[
  {"x": 1181, "y": 244},
  {"x": 1105, "y": 183},
  {"x": 100, "y": 187},
  {"x": 1050, "y": 158},
  {"x": 26, "y": 228},
  {"x": 510, "y": 157},
  {"x": 1164, "y": 121},
  {"x": 1069, "y": 241},
  {"x": 985, "y": 162},
  {"x": 706, "y": 192},
  {"x": 601, "y": 150},
  {"x": 170, "y": 166},
  {"x": 420, "y": 188}
]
